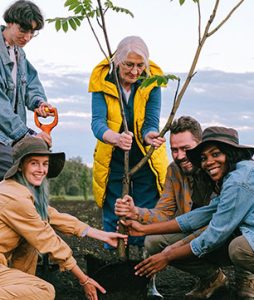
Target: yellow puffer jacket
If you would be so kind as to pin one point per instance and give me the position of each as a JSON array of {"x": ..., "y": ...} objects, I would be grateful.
[{"x": 103, "y": 152}]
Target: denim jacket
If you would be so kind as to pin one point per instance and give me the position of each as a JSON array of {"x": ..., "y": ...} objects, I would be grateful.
[
  {"x": 29, "y": 94},
  {"x": 232, "y": 209}
]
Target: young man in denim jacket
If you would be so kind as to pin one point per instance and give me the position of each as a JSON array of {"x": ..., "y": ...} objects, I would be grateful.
[{"x": 20, "y": 87}]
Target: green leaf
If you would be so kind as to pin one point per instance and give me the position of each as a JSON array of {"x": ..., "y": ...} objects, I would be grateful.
[
  {"x": 171, "y": 77},
  {"x": 50, "y": 20},
  {"x": 65, "y": 26},
  {"x": 98, "y": 14},
  {"x": 91, "y": 14},
  {"x": 68, "y": 2},
  {"x": 87, "y": 4},
  {"x": 72, "y": 24},
  {"x": 148, "y": 81},
  {"x": 160, "y": 80},
  {"x": 77, "y": 21},
  {"x": 71, "y": 2},
  {"x": 73, "y": 6},
  {"x": 58, "y": 24},
  {"x": 164, "y": 80},
  {"x": 109, "y": 4},
  {"x": 78, "y": 9},
  {"x": 181, "y": 2}
]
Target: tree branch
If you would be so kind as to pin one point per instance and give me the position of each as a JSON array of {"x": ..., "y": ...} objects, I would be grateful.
[
  {"x": 183, "y": 89},
  {"x": 199, "y": 23},
  {"x": 126, "y": 178},
  {"x": 96, "y": 37},
  {"x": 225, "y": 20},
  {"x": 104, "y": 28}
]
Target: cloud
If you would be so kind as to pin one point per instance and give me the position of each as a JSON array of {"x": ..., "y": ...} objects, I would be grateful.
[
  {"x": 198, "y": 90},
  {"x": 57, "y": 69},
  {"x": 214, "y": 98},
  {"x": 84, "y": 115},
  {"x": 212, "y": 123},
  {"x": 66, "y": 125},
  {"x": 244, "y": 117},
  {"x": 48, "y": 83},
  {"x": 63, "y": 100}
]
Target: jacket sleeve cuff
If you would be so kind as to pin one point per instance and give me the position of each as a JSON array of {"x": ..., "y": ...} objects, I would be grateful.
[
  {"x": 183, "y": 223},
  {"x": 68, "y": 265}
]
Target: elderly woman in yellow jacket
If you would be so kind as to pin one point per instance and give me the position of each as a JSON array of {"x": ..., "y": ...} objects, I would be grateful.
[
  {"x": 142, "y": 110},
  {"x": 28, "y": 223}
]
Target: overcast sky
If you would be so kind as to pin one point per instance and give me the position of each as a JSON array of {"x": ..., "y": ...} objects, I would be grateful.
[
  {"x": 169, "y": 30},
  {"x": 64, "y": 61}
]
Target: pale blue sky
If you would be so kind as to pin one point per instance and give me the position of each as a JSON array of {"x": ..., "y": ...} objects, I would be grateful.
[{"x": 169, "y": 30}]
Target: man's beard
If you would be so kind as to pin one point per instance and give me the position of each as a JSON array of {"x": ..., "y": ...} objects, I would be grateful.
[{"x": 185, "y": 171}]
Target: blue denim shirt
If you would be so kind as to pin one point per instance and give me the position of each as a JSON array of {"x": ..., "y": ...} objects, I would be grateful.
[
  {"x": 232, "y": 209},
  {"x": 29, "y": 94}
]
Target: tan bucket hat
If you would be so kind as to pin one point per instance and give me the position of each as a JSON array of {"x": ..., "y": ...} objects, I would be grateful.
[
  {"x": 223, "y": 135},
  {"x": 35, "y": 146}
]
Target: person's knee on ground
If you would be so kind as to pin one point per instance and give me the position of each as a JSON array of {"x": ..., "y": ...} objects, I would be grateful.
[
  {"x": 153, "y": 244},
  {"x": 49, "y": 291},
  {"x": 156, "y": 243},
  {"x": 23, "y": 286},
  {"x": 241, "y": 254},
  {"x": 41, "y": 290}
]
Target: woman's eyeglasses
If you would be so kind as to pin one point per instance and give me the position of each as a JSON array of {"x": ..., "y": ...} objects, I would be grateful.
[{"x": 130, "y": 66}]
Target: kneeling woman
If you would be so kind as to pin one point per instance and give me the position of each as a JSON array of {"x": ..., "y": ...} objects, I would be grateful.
[
  {"x": 229, "y": 216},
  {"x": 28, "y": 224}
]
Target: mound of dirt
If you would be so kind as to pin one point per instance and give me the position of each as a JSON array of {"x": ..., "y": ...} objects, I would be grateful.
[{"x": 171, "y": 283}]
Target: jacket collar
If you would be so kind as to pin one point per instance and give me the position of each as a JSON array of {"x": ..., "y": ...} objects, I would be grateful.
[{"x": 3, "y": 50}]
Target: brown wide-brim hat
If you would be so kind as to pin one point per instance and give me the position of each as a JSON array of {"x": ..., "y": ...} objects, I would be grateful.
[
  {"x": 223, "y": 135},
  {"x": 29, "y": 146}
]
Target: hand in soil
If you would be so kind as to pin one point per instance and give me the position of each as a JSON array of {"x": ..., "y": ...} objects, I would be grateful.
[
  {"x": 152, "y": 265},
  {"x": 91, "y": 289}
]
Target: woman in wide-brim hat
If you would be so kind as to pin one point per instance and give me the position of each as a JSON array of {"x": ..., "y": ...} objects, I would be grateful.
[
  {"x": 229, "y": 236},
  {"x": 28, "y": 224}
]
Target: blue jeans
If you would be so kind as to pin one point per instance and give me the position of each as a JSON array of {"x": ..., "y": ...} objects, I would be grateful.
[{"x": 143, "y": 190}]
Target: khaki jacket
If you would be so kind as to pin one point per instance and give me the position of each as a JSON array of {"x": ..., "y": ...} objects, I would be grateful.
[{"x": 22, "y": 229}]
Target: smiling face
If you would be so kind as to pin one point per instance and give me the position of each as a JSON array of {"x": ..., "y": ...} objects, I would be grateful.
[
  {"x": 35, "y": 169},
  {"x": 179, "y": 143},
  {"x": 213, "y": 161},
  {"x": 131, "y": 69}
]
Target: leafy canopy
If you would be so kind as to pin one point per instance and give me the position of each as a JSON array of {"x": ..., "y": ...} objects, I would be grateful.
[{"x": 84, "y": 9}]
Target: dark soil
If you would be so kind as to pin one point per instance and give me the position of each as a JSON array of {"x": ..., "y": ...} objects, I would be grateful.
[{"x": 91, "y": 256}]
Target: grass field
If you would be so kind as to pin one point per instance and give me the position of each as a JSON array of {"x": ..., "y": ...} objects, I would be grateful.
[{"x": 69, "y": 197}]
